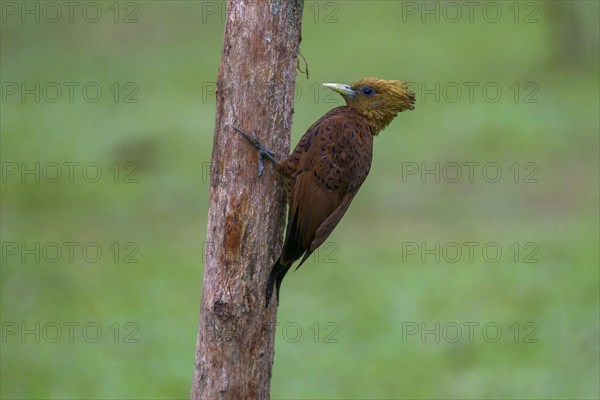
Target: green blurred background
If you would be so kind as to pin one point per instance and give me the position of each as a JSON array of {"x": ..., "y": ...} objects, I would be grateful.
[{"x": 348, "y": 317}]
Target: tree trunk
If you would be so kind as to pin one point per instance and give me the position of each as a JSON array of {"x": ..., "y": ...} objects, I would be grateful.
[{"x": 255, "y": 91}]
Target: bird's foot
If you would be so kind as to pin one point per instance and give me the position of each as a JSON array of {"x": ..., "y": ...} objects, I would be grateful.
[{"x": 262, "y": 151}]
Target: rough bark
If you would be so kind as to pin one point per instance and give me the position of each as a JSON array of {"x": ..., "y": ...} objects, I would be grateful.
[{"x": 255, "y": 91}]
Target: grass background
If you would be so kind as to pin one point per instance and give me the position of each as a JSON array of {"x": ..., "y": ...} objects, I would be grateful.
[{"x": 362, "y": 292}]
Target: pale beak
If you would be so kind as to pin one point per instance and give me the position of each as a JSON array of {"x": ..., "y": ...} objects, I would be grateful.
[{"x": 344, "y": 90}]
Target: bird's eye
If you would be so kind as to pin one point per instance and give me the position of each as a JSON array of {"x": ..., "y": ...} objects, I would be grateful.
[{"x": 367, "y": 90}]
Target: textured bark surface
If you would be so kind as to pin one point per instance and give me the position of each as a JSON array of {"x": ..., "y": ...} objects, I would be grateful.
[{"x": 255, "y": 91}]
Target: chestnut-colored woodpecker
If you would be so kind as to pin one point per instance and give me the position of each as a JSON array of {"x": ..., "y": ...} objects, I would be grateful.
[{"x": 329, "y": 164}]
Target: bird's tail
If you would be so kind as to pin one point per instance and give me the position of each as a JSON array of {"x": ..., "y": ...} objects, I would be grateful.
[{"x": 275, "y": 278}]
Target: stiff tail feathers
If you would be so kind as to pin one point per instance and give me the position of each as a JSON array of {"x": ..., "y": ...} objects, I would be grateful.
[{"x": 275, "y": 278}]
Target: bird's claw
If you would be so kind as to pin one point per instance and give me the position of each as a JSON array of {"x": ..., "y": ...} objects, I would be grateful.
[{"x": 262, "y": 151}]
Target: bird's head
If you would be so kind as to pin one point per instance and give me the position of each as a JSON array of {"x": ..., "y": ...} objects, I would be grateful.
[{"x": 378, "y": 100}]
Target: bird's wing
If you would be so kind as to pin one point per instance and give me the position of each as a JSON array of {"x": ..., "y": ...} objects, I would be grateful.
[
  {"x": 311, "y": 205},
  {"x": 330, "y": 223},
  {"x": 330, "y": 172}
]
